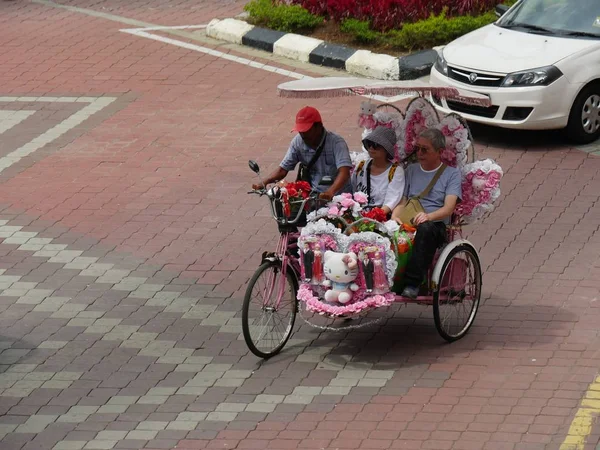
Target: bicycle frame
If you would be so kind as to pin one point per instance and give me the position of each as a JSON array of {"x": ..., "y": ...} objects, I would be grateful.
[
  {"x": 286, "y": 246},
  {"x": 283, "y": 254}
]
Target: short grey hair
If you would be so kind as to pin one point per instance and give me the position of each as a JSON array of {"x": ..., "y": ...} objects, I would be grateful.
[{"x": 436, "y": 137}]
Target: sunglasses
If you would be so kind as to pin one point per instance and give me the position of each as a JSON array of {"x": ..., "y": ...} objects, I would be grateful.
[
  {"x": 373, "y": 145},
  {"x": 421, "y": 149}
]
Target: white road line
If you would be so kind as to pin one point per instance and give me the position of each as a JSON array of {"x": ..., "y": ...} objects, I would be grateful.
[
  {"x": 95, "y": 104},
  {"x": 158, "y": 28},
  {"x": 9, "y": 119},
  {"x": 216, "y": 53},
  {"x": 140, "y": 32}
]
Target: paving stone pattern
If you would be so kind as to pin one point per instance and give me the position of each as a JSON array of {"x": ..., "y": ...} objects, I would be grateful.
[{"x": 127, "y": 242}]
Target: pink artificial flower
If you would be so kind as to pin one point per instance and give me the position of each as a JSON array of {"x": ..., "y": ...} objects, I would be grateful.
[
  {"x": 347, "y": 202},
  {"x": 492, "y": 181},
  {"x": 347, "y": 195},
  {"x": 334, "y": 211},
  {"x": 361, "y": 198}
]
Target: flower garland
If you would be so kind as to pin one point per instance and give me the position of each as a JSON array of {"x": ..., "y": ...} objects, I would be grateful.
[
  {"x": 457, "y": 141},
  {"x": 314, "y": 304},
  {"x": 389, "y": 120},
  {"x": 319, "y": 227},
  {"x": 420, "y": 115},
  {"x": 480, "y": 190}
]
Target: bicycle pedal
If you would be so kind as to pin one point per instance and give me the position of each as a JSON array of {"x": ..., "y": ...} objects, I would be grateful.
[{"x": 268, "y": 256}]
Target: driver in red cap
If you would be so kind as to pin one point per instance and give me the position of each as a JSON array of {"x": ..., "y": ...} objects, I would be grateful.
[{"x": 319, "y": 152}]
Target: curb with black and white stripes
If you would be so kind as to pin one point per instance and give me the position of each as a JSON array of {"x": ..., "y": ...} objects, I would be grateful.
[{"x": 306, "y": 49}]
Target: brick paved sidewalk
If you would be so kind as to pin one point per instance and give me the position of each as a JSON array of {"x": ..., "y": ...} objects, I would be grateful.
[{"x": 127, "y": 241}]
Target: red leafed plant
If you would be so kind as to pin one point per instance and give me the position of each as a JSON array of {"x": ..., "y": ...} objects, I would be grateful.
[{"x": 392, "y": 14}]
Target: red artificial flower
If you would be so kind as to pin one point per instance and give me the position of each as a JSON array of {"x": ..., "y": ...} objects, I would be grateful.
[
  {"x": 303, "y": 186},
  {"x": 377, "y": 214}
]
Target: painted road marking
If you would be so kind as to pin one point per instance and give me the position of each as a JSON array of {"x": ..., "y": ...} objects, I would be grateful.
[
  {"x": 143, "y": 32},
  {"x": 9, "y": 119},
  {"x": 95, "y": 104},
  {"x": 581, "y": 427},
  {"x": 178, "y": 27}
]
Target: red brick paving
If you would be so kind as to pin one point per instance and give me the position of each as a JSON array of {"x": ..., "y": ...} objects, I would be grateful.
[{"x": 163, "y": 179}]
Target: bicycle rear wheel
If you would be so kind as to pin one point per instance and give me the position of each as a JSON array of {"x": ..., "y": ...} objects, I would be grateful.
[
  {"x": 456, "y": 301},
  {"x": 269, "y": 310}
]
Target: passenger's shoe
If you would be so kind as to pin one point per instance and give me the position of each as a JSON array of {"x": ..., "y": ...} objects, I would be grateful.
[{"x": 410, "y": 292}]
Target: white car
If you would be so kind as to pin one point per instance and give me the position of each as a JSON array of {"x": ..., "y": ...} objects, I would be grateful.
[{"x": 539, "y": 64}]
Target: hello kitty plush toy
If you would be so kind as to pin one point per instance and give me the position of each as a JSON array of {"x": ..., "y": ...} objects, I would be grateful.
[
  {"x": 341, "y": 269},
  {"x": 365, "y": 118}
]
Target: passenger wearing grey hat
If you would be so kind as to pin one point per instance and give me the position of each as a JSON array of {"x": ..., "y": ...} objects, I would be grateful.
[{"x": 379, "y": 177}]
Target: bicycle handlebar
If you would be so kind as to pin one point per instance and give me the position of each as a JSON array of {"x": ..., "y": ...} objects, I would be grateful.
[{"x": 274, "y": 197}]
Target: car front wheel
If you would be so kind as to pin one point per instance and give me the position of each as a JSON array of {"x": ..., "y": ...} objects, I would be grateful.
[{"x": 584, "y": 120}]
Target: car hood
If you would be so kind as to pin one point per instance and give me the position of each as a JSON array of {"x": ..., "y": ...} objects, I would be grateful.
[{"x": 496, "y": 49}]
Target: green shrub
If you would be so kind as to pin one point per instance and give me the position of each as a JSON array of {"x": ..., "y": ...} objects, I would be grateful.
[
  {"x": 437, "y": 30},
  {"x": 281, "y": 17},
  {"x": 360, "y": 31}
]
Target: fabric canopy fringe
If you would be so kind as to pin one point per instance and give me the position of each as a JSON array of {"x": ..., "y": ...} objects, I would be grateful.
[
  {"x": 345, "y": 87},
  {"x": 445, "y": 92}
]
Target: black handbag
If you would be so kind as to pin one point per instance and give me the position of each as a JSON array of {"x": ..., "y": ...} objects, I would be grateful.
[{"x": 304, "y": 169}]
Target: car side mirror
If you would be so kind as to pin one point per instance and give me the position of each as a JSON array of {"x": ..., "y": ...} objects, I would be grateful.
[
  {"x": 254, "y": 166},
  {"x": 326, "y": 181},
  {"x": 501, "y": 10}
]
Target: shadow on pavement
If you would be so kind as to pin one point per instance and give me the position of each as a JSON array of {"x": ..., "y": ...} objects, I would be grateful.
[
  {"x": 408, "y": 337},
  {"x": 519, "y": 139}
]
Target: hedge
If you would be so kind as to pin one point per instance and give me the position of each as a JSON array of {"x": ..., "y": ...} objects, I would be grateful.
[
  {"x": 435, "y": 29},
  {"x": 384, "y": 15}
]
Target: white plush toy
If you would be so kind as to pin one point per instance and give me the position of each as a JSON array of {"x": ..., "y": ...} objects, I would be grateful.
[{"x": 341, "y": 269}]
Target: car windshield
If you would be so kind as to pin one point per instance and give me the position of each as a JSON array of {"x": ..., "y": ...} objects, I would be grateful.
[{"x": 575, "y": 18}]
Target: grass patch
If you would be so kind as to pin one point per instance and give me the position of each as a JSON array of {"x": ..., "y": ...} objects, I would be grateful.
[
  {"x": 436, "y": 30},
  {"x": 281, "y": 17}
]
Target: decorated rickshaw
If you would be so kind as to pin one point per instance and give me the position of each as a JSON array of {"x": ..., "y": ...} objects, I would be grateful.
[{"x": 348, "y": 260}]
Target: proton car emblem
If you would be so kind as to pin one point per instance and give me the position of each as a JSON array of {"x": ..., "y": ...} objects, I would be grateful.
[{"x": 473, "y": 77}]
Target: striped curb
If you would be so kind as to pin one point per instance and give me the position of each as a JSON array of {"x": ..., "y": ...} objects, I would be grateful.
[{"x": 315, "y": 51}]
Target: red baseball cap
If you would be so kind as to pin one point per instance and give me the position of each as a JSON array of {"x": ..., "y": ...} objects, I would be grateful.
[{"x": 305, "y": 119}]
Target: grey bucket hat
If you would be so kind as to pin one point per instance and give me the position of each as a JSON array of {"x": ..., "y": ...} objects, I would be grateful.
[{"x": 386, "y": 137}]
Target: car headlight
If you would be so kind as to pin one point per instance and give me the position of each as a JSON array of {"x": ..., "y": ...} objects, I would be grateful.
[
  {"x": 534, "y": 77},
  {"x": 441, "y": 65}
]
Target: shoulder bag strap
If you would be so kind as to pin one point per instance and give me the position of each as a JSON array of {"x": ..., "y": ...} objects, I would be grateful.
[
  {"x": 392, "y": 172},
  {"x": 369, "y": 181},
  {"x": 359, "y": 168},
  {"x": 317, "y": 154},
  {"x": 436, "y": 177}
]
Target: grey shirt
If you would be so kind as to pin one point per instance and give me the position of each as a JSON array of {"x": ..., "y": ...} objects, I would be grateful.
[
  {"x": 449, "y": 183},
  {"x": 335, "y": 155}
]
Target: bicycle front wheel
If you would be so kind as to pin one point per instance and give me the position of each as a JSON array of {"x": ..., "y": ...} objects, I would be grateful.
[{"x": 269, "y": 310}]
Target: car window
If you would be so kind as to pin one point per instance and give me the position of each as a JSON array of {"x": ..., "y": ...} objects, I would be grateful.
[{"x": 580, "y": 18}]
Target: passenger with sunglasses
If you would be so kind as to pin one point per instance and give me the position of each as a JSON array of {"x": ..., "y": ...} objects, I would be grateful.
[
  {"x": 379, "y": 177},
  {"x": 439, "y": 204}
]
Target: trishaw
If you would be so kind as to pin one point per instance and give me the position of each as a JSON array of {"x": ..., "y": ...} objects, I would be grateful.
[{"x": 346, "y": 260}]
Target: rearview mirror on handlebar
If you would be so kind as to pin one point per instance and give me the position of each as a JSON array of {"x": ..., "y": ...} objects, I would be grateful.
[
  {"x": 254, "y": 166},
  {"x": 326, "y": 181}
]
